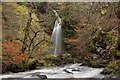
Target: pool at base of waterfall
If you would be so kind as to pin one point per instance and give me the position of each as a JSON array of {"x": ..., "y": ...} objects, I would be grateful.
[{"x": 68, "y": 71}]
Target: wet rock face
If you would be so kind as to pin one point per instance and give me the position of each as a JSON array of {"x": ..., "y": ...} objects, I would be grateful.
[
  {"x": 68, "y": 71},
  {"x": 39, "y": 76}
]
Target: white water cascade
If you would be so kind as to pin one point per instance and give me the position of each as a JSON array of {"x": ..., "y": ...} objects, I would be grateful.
[
  {"x": 56, "y": 35},
  {"x": 68, "y": 71}
]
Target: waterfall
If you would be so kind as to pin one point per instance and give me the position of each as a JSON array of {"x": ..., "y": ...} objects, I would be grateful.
[{"x": 56, "y": 35}]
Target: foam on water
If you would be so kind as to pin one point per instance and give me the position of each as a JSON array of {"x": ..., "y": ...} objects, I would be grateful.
[{"x": 59, "y": 72}]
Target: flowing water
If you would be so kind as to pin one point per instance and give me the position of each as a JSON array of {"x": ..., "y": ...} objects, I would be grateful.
[
  {"x": 56, "y": 35},
  {"x": 68, "y": 71}
]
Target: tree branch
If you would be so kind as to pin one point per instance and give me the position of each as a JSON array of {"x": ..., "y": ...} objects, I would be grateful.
[
  {"x": 26, "y": 32},
  {"x": 38, "y": 43},
  {"x": 32, "y": 30},
  {"x": 32, "y": 40}
]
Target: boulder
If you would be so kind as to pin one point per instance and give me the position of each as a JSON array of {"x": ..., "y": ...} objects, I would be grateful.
[{"x": 39, "y": 76}]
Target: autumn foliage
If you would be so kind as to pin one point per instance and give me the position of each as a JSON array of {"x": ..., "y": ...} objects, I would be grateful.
[{"x": 12, "y": 56}]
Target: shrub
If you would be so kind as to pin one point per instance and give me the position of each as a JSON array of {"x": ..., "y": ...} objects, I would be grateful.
[
  {"x": 107, "y": 42},
  {"x": 113, "y": 68},
  {"x": 117, "y": 55},
  {"x": 13, "y": 59}
]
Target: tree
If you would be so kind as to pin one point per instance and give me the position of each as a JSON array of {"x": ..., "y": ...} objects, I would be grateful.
[{"x": 29, "y": 41}]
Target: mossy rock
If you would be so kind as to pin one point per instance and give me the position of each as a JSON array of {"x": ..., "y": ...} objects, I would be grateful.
[
  {"x": 113, "y": 69},
  {"x": 94, "y": 63},
  {"x": 52, "y": 60},
  {"x": 15, "y": 68}
]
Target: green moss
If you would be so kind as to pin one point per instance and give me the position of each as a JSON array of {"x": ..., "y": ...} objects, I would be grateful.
[
  {"x": 66, "y": 55},
  {"x": 50, "y": 57},
  {"x": 94, "y": 63},
  {"x": 108, "y": 38},
  {"x": 52, "y": 60},
  {"x": 113, "y": 68},
  {"x": 117, "y": 55},
  {"x": 92, "y": 46}
]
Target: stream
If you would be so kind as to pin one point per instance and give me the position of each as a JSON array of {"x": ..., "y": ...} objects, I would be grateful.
[{"x": 68, "y": 71}]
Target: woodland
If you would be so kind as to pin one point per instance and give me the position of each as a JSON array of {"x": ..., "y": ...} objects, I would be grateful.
[{"x": 90, "y": 35}]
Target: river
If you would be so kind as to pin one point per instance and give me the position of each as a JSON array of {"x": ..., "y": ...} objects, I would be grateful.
[{"x": 68, "y": 71}]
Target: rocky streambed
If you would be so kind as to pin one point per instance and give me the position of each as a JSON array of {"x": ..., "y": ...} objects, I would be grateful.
[{"x": 68, "y": 71}]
